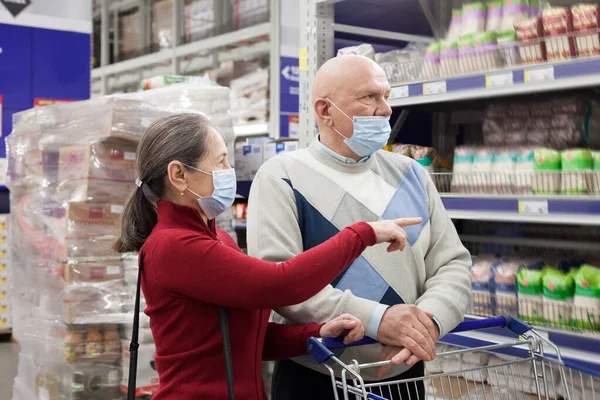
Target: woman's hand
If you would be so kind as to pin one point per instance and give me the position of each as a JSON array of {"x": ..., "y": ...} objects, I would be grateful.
[
  {"x": 391, "y": 232},
  {"x": 346, "y": 325}
]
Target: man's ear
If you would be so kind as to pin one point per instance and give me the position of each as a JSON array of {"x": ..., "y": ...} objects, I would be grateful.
[{"x": 322, "y": 109}]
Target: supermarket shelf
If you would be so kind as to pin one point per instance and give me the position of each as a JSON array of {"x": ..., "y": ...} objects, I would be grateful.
[
  {"x": 576, "y": 74},
  {"x": 532, "y": 242},
  {"x": 206, "y": 45},
  {"x": 580, "y": 348},
  {"x": 578, "y": 210}
]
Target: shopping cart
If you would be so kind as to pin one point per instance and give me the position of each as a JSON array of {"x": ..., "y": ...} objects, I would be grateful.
[{"x": 541, "y": 374}]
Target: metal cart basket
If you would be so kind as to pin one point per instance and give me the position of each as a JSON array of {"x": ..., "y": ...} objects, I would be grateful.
[{"x": 542, "y": 374}]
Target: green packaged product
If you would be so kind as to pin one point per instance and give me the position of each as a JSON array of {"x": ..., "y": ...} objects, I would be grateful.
[
  {"x": 576, "y": 167},
  {"x": 530, "y": 289},
  {"x": 547, "y": 166},
  {"x": 586, "y": 302},
  {"x": 558, "y": 288},
  {"x": 595, "y": 175}
]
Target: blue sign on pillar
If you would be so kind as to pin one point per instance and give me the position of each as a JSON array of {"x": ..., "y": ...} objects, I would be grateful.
[{"x": 289, "y": 79}]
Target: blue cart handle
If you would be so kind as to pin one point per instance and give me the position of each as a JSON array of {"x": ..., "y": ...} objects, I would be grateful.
[{"x": 321, "y": 349}]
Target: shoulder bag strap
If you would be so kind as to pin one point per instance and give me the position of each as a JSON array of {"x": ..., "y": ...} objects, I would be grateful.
[
  {"x": 133, "y": 346},
  {"x": 227, "y": 351}
]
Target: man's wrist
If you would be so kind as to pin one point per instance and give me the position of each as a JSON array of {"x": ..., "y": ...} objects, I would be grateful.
[{"x": 373, "y": 326}]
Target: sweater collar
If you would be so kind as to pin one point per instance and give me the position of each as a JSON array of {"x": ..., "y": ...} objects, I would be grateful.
[
  {"x": 176, "y": 216},
  {"x": 345, "y": 160},
  {"x": 336, "y": 163}
]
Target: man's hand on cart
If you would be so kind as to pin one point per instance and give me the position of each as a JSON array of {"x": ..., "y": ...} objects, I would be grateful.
[
  {"x": 345, "y": 325},
  {"x": 409, "y": 334}
]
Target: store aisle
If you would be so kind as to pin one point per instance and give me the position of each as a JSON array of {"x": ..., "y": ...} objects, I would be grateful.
[{"x": 9, "y": 352}]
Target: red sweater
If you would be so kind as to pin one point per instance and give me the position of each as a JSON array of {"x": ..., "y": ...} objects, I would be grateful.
[{"x": 190, "y": 269}]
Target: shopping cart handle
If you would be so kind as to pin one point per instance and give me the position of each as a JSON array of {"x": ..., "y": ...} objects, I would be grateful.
[
  {"x": 513, "y": 324},
  {"x": 320, "y": 349}
]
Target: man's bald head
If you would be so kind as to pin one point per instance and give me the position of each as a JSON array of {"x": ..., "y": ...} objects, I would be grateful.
[
  {"x": 345, "y": 87},
  {"x": 340, "y": 73}
]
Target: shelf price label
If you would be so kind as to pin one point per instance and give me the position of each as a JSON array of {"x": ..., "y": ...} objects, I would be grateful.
[
  {"x": 539, "y": 207},
  {"x": 539, "y": 74},
  {"x": 399, "y": 92},
  {"x": 500, "y": 79},
  {"x": 437, "y": 87}
]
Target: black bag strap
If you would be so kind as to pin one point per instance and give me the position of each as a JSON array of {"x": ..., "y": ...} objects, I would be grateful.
[
  {"x": 227, "y": 350},
  {"x": 133, "y": 346}
]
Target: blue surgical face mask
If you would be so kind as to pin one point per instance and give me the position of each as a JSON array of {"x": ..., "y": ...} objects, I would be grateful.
[
  {"x": 223, "y": 195},
  {"x": 370, "y": 133}
]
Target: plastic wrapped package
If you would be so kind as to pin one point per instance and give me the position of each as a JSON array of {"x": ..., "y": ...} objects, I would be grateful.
[
  {"x": 505, "y": 286},
  {"x": 503, "y": 175},
  {"x": 486, "y": 53},
  {"x": 403, "y": 65},
  {"x": 481, "y": 274},
  {"x": 522, "y": 182},
  {"x": 162, "y": 25},
  {"x": 547, "y": 171},
  {"x": 585, "y": 23},
  {"x": 494, "y": 16},
  {"x": 365, "y": 50},
  {"x": 483, "y": 170},
  {"x": 199, "y": 19},
  {"x": 532, "y": 48},
  {"x": 467, "y": 60},
  {"x": 449, "y": 58},
  {"x": 249, "y": 12},
  {"x": 513, "y": 11},
  {"x": 577, "y": 169},
  {"x": 462, "y": 171},
  {"x": 249, "y": 97},
  {"x": 508, "y": 48},
  {"x": 473, "y": 18},
  {"x": 431, "y": 62},
  {"x": 454, "y": 31},
  {"x": 558, "y": 30}
]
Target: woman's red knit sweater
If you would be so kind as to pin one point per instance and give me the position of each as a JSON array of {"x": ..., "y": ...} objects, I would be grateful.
[{"x": 190, "y": 269}]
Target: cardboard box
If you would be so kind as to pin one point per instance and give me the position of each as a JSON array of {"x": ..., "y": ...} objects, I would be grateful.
[
  {"x": 84, "y": 230},
  {"x": 98, "y": 172},
  {"x": 248, "y": 159},
  {"x": 271, "y": 149},
  {"x": 130, "y": 43},
  {"x": 199, "y": 19},
  {"x": 147, "y": 377},
  {"x": 94, "y": 271},
  {"x": 162, "y": 25}
]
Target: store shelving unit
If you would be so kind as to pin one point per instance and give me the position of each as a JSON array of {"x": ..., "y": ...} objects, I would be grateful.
[
  {"x": 261, "y": 40},
  {"x": 318, "y": 30}
]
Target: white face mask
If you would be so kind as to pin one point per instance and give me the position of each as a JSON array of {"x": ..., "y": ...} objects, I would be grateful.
[
  {"x": 225, "y": 188},
  {"x": 370, "y": 133}
]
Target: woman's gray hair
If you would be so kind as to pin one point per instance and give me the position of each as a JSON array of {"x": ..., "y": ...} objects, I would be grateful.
[{"x": 181, "y": 137}]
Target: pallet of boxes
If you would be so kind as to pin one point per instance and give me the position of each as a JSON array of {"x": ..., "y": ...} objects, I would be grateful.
[{"x": 71, "y": 167}]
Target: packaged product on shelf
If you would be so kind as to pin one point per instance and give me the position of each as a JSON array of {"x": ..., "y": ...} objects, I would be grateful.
[
  {"x": 558, "y": 29},
  {"x": 486, "y": 52},
  {"x": 481, "y": 284},
  {"x": 515, "y": 131},
  {"x": 503, "y": 169},
  {"x": 473, "y": 18},
  {"x": 248, "y": 159},
  {"x": 586, "y": 302},
  {"x": 94, "y": 343},
  {"x": 162, "y": 81},
  {"x": 249, "y": 97},
  {"x": 162, "y": 25},
  {"x": 483, "y": 165},
  {"x": 271, "y": 149},
  {"x": 404, "y": 149},
  {"x": 424, "y": 156},
  {"x": 508, "y": 48},
  {"x": 494, "y": 16},
  {"x": 585, "y": 23},
  {"x": 199, "y": 19},
  {"x": 547, "y": 171},
  {"x": 431, "y": 61},
  {"x": 524, "y": 166},
  {"x": 577, "y": 168},
  {"x": 364, "y": 49},
  {"x": 532, "y": 48},
  {"x": 130, "y": 43},
  {"x": 558, "y": 297},
  {"x": 250, "y": 12},
  {"x": 513, "y": 11},
  {"x": 462, "y": 170},
  {"x": 505, "y": 279},
  {"x": 404, "y": 65},
  {"x": 595, "y": 175},
  {"x": 454, "y": 31},
  {"x": 449, "y": 58},
  {"x": 467, "y": 61},
  {"x": 537, "y": 131},
  {"x": 529, "y": 288},
  {"x": 535, "y": 7}
]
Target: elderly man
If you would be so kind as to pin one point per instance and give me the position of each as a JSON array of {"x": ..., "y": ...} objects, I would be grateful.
[{"x": 407, "y": 299}]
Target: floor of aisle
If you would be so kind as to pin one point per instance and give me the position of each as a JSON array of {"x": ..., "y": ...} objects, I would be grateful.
[{"x": 9, "y": 357}]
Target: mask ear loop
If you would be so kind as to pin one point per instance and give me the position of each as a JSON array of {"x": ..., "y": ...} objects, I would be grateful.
[{"x": 345, "y": 115}]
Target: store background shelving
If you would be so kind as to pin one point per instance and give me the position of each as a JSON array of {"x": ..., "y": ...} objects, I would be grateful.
[{"x": 446, "y": 102}]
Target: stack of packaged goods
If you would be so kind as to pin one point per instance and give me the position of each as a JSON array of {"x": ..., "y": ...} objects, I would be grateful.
[
  {"x": 198, "y": 95},
  {"x": 250, "y": 97},
  {"x": 541, "y": 147},
  {"x": 69, "y": 175},
  {"x": 5, "y": 278}
]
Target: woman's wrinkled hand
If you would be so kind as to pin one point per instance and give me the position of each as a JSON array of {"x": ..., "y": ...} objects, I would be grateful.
[{"x": 345, "y": 325}]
